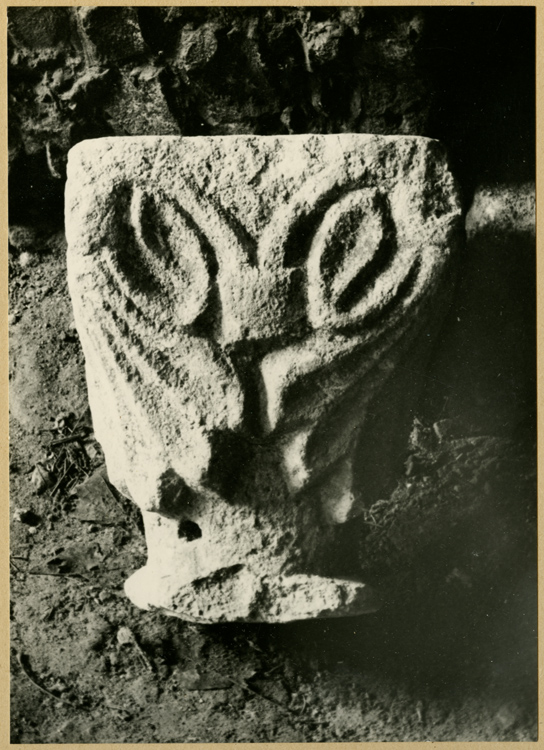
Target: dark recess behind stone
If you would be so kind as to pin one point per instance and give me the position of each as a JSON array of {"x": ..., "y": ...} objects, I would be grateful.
[{"x": 482, "y": 63}]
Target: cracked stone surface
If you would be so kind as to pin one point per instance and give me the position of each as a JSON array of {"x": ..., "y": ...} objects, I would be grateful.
[{"x": 255, "y": 313}]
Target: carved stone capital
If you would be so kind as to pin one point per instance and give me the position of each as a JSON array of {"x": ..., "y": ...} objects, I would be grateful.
[{"x": 255, "y": 314}]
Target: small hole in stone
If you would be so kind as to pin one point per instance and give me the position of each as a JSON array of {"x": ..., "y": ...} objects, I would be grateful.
[{"x": 189, "y": 530}]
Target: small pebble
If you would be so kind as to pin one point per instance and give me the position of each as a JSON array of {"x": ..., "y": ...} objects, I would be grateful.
[
  {"x": 124, "y": 636},
  {"x": 59, "y": 686},
  {"x": 41, "y": 478},
  {"x": 62, "y": 419},
  {"x": 26, "y": 259},
  {"x": 22, "y": 237}
]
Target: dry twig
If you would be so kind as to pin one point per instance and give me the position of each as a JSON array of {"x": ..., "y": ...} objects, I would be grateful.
[
  {"x": 21, "y": 661},
  {"x": 68, "y": 439}
]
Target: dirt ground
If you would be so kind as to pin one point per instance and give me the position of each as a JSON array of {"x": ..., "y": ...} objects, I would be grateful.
[{"x": 450, "y": 656}]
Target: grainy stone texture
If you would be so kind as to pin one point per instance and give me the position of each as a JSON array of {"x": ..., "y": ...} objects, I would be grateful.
[{"x": 245, "y": 306}]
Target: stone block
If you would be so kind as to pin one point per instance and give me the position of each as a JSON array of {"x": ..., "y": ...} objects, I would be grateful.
[
  {"x": 114, "y": 32},
  {"x": 139, "y": 105},
  {"x": 39, "y": 28},
  {"x": 244, "y": 304},
  {"x": 196, "y": 47}
]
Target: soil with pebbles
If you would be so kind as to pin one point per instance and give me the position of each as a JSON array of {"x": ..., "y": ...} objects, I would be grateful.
[{"x": 450, "y": 656}]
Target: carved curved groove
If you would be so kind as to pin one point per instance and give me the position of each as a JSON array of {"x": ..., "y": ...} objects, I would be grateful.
[{"x": 238, "y": 322}]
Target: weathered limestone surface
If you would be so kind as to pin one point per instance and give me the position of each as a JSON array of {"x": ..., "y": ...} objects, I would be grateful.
[{"x": 244, "y": 303}]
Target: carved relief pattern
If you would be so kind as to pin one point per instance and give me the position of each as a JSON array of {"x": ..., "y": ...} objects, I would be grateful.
[{"x": 241, "y": 301}]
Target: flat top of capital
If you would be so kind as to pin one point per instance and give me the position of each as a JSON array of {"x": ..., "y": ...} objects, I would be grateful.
[
  {"x": 259, "y": 160},
  {"x": 345, "y": 140}
]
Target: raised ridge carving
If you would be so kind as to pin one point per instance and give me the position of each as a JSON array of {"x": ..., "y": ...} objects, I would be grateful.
[{"x": 242, "y": 302}]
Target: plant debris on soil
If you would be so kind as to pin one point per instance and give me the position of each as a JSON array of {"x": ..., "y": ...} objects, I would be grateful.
[{"x": 450, "y": 656}]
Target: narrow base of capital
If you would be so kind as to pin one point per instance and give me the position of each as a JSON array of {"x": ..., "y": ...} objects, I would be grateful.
[{"x": 237, "y": 594}]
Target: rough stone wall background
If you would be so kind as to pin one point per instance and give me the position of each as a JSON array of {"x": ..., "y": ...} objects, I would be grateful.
[{"x": 462, "y": 75}]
